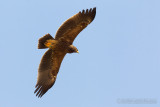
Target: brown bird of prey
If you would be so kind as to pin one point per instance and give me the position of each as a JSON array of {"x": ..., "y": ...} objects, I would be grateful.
[{"x": 59, "y": 47}]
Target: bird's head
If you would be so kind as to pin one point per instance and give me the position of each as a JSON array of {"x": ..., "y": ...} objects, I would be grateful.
[{"x": 72, "y": 49}]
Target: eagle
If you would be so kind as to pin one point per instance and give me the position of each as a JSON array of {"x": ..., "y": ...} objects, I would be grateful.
[{"x": 59, "y": 47}]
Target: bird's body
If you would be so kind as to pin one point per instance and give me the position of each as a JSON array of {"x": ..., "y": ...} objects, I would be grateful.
[{"x": 58, "y": 48}]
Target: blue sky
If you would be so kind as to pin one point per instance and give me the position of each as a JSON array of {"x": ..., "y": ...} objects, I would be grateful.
[{"x": 119, "y": 55}]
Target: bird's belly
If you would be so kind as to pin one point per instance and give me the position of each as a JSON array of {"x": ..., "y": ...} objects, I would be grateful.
[{"x": 61, "y": 47}]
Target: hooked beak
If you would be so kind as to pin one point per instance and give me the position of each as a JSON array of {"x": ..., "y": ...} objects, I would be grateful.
[{"x": 77, "y": 51}]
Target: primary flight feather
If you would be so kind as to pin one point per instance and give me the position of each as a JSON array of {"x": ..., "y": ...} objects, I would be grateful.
[{"x": 59, "y": 47}]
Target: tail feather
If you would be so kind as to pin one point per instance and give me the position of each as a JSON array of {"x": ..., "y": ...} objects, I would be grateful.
[{"x": 43, "y": 40}]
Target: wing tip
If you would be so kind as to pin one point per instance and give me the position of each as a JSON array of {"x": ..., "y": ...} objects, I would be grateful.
[
  {"x": 91, "y": 12},
  {"x": 42, "y": 89},
  {"x": 39, "y": 92},
  {"x": 85, "y": 11}
]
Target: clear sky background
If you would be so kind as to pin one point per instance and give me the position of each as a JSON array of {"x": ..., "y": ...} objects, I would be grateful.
[{"x": 119, "y": 55}]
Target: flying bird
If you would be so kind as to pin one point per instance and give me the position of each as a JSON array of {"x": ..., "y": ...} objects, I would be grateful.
[{"x": 59, "y": 47}]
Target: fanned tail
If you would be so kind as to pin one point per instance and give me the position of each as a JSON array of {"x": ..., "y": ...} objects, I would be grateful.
[{"x": 46, "y": 41}]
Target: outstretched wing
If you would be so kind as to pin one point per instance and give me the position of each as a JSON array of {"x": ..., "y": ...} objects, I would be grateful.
[
  {"x": 47, "y": 72},
  {"x": 74, "y": 25}
]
